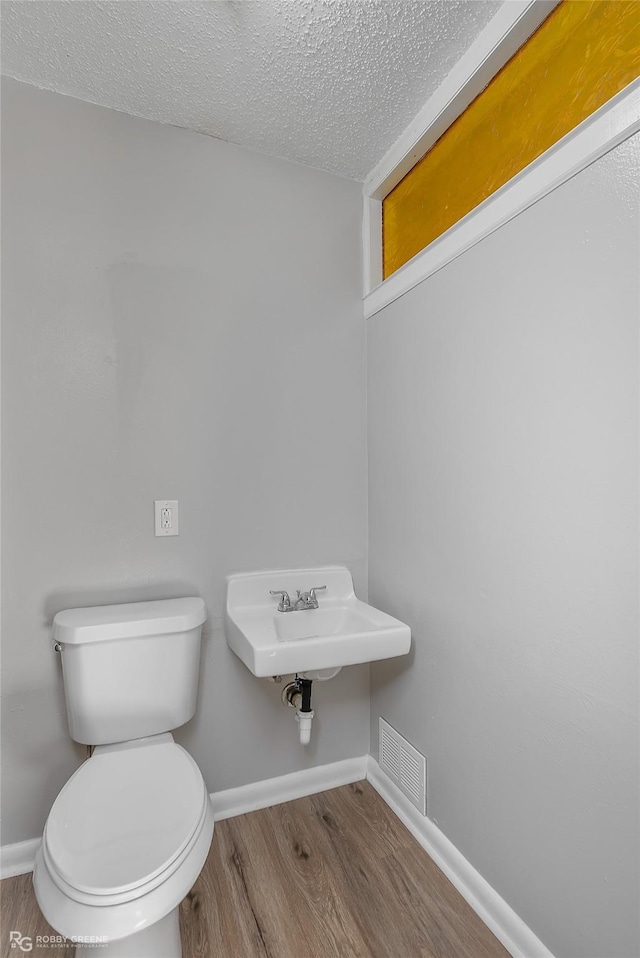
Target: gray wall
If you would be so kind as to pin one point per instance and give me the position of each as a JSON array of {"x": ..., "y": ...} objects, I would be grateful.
[
  {"x": 503, "y": 484},
  {"x": 182, "y": 319}
]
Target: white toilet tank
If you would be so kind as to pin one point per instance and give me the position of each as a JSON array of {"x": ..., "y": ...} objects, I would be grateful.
[{"x": 130, "y": 670}]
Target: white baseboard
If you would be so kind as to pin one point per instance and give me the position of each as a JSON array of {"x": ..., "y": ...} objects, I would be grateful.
[
  {"x": 517, "y": 938},
  {"x": 497, "y": 915},
  {"x": 18, "y": 859},
  {"x": 275, "y": 791}
]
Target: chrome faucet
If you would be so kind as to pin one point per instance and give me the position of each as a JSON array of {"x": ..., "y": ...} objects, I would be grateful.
[{"x": 304, "y": 600}]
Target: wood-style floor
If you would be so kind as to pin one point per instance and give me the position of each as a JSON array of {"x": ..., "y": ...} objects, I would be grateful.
[{"x": 335, "y": 875}]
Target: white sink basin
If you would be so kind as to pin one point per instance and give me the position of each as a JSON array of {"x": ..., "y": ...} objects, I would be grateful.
[{"x": 341, "y": 631}]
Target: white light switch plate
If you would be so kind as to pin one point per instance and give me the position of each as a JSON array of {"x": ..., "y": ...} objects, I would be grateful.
[{"x": 166, "y": 512}]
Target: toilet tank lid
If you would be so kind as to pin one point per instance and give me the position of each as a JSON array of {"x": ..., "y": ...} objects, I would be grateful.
[{"x": 133, "y": 619}]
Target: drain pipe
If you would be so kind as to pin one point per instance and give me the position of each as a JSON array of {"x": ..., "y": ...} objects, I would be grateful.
[
  {"x": 297, "y": 695},
  {"x": 304, "y": 715}
]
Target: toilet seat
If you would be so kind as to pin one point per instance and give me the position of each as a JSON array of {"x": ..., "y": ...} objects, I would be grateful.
[
  {"x": 124, "y": 822},
  {"x": 76, "y": 918}
]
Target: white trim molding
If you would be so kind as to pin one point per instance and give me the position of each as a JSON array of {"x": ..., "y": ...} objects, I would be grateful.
[
  {"x": 602, "y": 131},
  {"x": 497, "y": 915},
  {"x": 18, "y": 859},
  {"x": 285, "y": 788},
  {"x": 501, "y": 38},
  {"x": 517, "y": 938}
]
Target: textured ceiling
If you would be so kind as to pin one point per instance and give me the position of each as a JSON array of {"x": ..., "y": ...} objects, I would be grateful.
[{"x": 330, "y": 83}]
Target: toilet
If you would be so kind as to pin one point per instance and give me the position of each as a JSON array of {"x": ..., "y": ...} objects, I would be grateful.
[{"x": 128, "y": 834}]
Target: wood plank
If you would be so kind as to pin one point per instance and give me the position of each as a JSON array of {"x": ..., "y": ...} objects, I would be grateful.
[
  {"x": 384, "y": 918},
  {"x": 19, "y": 912},
  {"x": 314, "y": 888},
  {"x": 216, "y": 917},
  {"x": 422, "y": 908}
]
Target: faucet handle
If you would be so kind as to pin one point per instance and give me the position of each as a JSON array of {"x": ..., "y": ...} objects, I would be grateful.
[
  {"x": 312, "y": 593},
  {"x": 285, "y": 602}
]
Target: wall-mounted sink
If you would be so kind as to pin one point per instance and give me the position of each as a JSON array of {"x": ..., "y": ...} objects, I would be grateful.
[{"x": 341, "y": 631}]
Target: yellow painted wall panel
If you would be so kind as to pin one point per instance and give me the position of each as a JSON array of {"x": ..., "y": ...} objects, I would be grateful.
[{"x": 584, "y": 53}]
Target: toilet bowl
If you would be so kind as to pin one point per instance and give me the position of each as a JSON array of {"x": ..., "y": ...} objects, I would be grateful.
[
  {"x": 125, "y": 840},
  {"x": 129, "y": 833}
]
